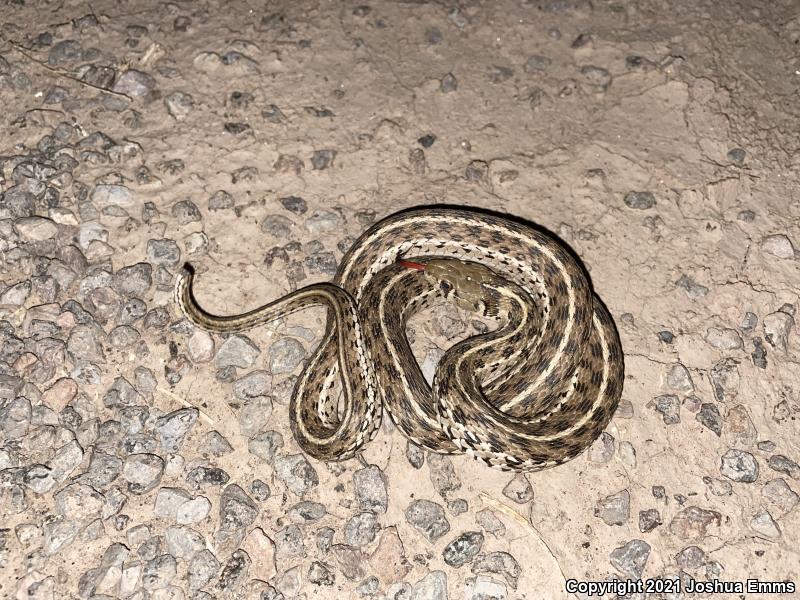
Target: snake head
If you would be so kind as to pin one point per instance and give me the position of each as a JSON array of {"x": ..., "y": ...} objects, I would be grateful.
[{"x": 469, "y": 284}]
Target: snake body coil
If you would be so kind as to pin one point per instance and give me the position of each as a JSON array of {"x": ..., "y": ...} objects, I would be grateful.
[{"x": 531, "y": 394}]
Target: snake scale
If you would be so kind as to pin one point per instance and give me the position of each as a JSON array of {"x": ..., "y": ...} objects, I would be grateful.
[{"x": 532, "y": 393}]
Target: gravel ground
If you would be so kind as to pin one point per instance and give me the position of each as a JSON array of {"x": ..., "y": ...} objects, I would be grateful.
[{"x": 141, "y": 458}]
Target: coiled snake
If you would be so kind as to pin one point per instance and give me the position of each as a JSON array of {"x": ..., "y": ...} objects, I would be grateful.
[{"x": 530, "y": 394}]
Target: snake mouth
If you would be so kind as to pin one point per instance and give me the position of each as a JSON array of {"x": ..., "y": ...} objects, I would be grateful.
[{"x": 410, "y": 264}]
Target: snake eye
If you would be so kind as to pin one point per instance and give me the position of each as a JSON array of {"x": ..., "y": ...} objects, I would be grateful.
[{"x": 445, "y": 286}]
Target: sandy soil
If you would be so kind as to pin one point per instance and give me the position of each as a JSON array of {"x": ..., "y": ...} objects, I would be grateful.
[{"x": 140, "y": 458}]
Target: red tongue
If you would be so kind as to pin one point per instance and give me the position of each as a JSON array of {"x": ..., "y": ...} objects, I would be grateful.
[{"x": 408, "y": 264}]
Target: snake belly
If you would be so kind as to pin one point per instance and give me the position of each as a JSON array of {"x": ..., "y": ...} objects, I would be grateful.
[{"x": 530, "y": 395}]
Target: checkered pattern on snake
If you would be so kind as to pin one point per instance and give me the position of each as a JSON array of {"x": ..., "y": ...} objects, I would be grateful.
[{"x": 530, "y": 394}]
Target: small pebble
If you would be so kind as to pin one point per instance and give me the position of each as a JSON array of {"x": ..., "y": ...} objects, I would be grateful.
[
  {"x": 319, "y": 574},
  {"x": 723, "y": 338},
  {"x": 200, "y": 476},
  {"x": 777, "y": 328},
  {"x": 710, "y": 417},
  {"x": 220, "y": 200},
  {"x": 602, "y": 78},
  {"x": 519, "y": 489},
  {"x": 500, "y": 73},
  {"x": 179, "y": 105},
  {"x": 428, "y": 518},
  {"x": 463, "y": 549},
  {"x": 785, "y": 465},
  {"x": 285, "y": 355},
  {"x": 296, "y": 473},
  {"x": 640, "y": 200},
  {"x": 142, "y": 472},
  {"x": 537, "y": 63},
  {"x": 294, "y": 204},
  {"x": 693, "y": 289},
  {"x": 237, "y": 351},
  {"x": 498, "y": 563},
  {"x": 135, "y": 84},
  {"x": 458, "y": 506},
  {"x": 692, "y": 522},
  {"x": 778, "y": 245},
  {"x": 631, "y": 558},
  {"x": 738, "y": 465},
  {"x": 449, "y": 83},
  {"x": 442, "y": 473},
  {"x": 415, "y": 455},
  {"x": 361, "y": 529},
  {"x": 307, "y": 511},
  {"x": 669, "y": 406},
  {"x": 433, "y": 36},
  {"x": 370, "y": 489},
  {"x": 678, "y": 378},
  {"x": 718, "y": 487},
  {"x": 484, "y": 588},
  {"x": 602, "y": 450},
  {"x": 265, "y": 445},
  {"x": 614, "y": 509},
  {"x": 736, "y": 155},
  {"x": 431, "y": 587},
  {"x": 690, "y": 557},
  {"x": 203, "y": 567},
  {"x": 323, "y": 159},
  {"x": 746, "y": 216},
  {"x": 765, "y": 526},
  {"x": 649, "y": 519},
  {"x": 260, "y": 490},
  {"x": 489, "y": 522}
]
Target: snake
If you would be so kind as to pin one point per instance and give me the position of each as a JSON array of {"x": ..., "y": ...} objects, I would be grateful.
[{"x": 532, "y": 391}]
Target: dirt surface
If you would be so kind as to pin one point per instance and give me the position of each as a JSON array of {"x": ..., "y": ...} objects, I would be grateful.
[{"x": 141, "y": 458}]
